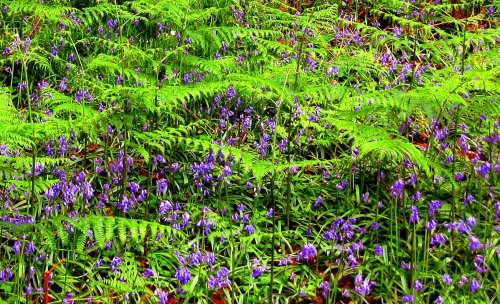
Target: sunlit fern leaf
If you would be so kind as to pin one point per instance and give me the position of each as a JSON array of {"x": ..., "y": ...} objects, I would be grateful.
[
  {"x": 133, "y": 228},
  {"x": 79, "y": 109},
  {"x": 487, "y": 105},
  {"x": 52, "y": 97},
  {"x": 99, "y": 231},
  {"x": 398, "y": 149},
  {"x": 47, "y": 12},
  {"x": 212, "y": 65},
  {"x": 105, "y": 62},
  {"x": 9, "y": 122},
  {"x": 174, "y": 97},
  {"x": 276, "y": 47},
  {"x": 143, "y": 229},
  {"x": 150, "y": 140},
  {"x": 40, "y": 185},
  {"x": 141, "y": 150},
  {"x": 62, "y": 233},
  {"x": 83, "y": 235},
  {"x": 14, "y": 140},
  {"x": 201, "y": 16},
  {"x": 50, "y": 240},
  {"x": 109, "y": 233},
  {"x": 8, "y": 113},
  {"x": 95, "y": 14},
  {"x": 245, "y": 80},
  {"x": 122, "y": 232}
]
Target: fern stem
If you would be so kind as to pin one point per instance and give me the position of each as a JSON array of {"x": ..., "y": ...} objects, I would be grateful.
[
  {"x": 32, "y": 209},
  {"x": 297, "y": 67},
  {"x": 413, "y": 253},
  {"x": 289, "y": 176},
  {"x": 299, "y": 55},
  {"x": 463, "y": 47},
  {"x": 454, "y": 201},
  {"x": 279, "y": 104},
  {"x": 149, "y": 187},
  {"x": 124, "y": 164},
  {"x": 490, "y": 213},
  {"x": 273, "y": 238}
]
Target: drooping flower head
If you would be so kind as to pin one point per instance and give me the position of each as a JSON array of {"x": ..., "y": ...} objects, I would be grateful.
[
  {"x": 362, "y": 286},
  {"x": 183, "y": 275},
  {"x": 307, "y": 252}
]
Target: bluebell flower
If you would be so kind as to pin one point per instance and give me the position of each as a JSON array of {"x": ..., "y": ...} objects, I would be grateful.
[
  {"x": 209, "y": 258},
  {"x": 220, "y": 280},
  {"x": 108, "y": 245},
  {"x": 483, "y": 169},
  {"x": 195, "y": 258},
  {"x": 341, "y": 186},
  {"x": 99, "y": 263},
  {"x": 433, "y": 206},
  {"x": 162, "y": 296},
  {"x": 250, "y": 229},
  {"x": 474, "y": 243},
  {"x": 6, "y": 275},
  {"x": 397, "y": 31},
  {"x": 407, "y": 266},
  {"x": 162, "y": 185},
  {"x": 408, "y": 298},
  {"x": 471, "y": 220},
  {"x": 307, "y": 252},
  {"x": 258, "y": 270},
  {"x": 438, "y": 239},
  {"x": 447, "y": 279},
  {"x": 468, "y": 199},
  {"x": 417, "y": 285},
  {"x": 479, "y": 264},
  {"x": 294, "y": 170},
  {"x": 183, "y": 275},
  {"x": 332, "y": 70},
  {"x": 318, "y": 201},
  {"x": 30, "y": 248},
  {"x": 463, "y": 227},
  {"x": 325, "y": 286},
  {"x": 16, "y": 247},
  {"x": 463, "y": 280},
  {"x": 148, "y": 272},
  {"x": 87, "y": 191},
  {"x": 165, "y": 207},
  {"x": 362, "y": 286},
  {"x": 115, "y": 263},
  {"x": 474, "y": 286},
  {"x": 355, "y": 152},
  {"x": 396, "y": 190},
  {"x": 68, "y": 299},
  {"x": 414, "y": 217}
]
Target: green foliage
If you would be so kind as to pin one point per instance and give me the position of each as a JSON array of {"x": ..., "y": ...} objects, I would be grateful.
[{"x": 138, "y": 138}]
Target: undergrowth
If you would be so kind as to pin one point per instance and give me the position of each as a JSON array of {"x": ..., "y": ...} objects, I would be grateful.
[{"x": 249, "y": 151}]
